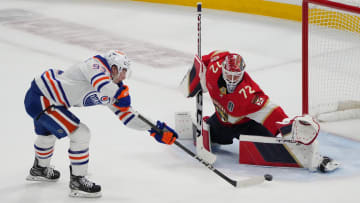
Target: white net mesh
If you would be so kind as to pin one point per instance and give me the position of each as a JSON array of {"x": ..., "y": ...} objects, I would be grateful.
[{"x": 334, "y": 58}]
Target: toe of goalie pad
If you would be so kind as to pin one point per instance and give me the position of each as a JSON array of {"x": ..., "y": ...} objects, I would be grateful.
[
  {"x": 190, "y": 84},
  {"x": 204, "y": 154}
]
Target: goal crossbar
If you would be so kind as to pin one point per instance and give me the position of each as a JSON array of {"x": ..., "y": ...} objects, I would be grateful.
[{"x": 336, "y": 5}]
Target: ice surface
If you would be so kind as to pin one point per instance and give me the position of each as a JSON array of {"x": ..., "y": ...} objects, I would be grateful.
[{"x": 160, "y": 40}]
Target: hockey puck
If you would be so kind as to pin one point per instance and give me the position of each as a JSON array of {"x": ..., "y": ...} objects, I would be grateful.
[{"x": 268, "y": 177}]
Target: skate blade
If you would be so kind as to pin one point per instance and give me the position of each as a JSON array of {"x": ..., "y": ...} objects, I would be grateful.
[
  {"x": 39, "y": 178},
  {"x": 78, "y": 193}
]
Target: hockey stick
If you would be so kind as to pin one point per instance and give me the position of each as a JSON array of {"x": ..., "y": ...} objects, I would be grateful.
[
  {"x": 242, "y": 183},
  {"x": 198, "y": 137},
  {"x": 263, "y": 139},
  {"x": 199, "y": 96}
]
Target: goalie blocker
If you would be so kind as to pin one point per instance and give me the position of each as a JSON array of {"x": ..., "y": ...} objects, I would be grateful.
[{"x": 192, "y": 82}]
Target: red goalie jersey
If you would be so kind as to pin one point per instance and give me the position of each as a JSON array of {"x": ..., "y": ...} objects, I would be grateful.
[
  {"x": 242, "y": 108},
  {"x": 247, "y": 101}
]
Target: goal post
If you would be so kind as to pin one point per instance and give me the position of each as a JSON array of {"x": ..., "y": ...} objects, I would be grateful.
[{"x": 331, "y": 59}]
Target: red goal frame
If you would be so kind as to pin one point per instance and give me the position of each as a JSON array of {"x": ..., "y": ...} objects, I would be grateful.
[{"x": 305, "y": 32}]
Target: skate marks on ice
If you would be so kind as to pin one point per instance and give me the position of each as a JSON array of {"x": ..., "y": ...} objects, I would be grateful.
[
  {"x": 344, "y": 150},
  {"x": 91, "y": 38}
]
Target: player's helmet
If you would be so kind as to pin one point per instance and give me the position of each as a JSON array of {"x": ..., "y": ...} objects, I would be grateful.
[
  {"x": 119, "y": 59},
  {"x": 233, "y": 68}
]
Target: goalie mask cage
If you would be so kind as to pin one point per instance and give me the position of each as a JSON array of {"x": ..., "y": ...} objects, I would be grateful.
[{"x": 331, "y": 59}]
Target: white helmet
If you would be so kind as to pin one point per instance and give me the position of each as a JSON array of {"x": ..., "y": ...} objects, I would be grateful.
[
  {"x": 117, "y": 58},
  {"x": 233, "y": 68}
]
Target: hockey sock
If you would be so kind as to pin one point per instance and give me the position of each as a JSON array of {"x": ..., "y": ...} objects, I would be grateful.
[{"x": 44, "y": 149}]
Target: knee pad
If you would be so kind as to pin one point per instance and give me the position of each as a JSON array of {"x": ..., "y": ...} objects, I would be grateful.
[{"x": 80, "y": 138}]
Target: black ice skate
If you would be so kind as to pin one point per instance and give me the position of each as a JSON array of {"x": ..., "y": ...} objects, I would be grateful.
[
  {"x": 82, "y": 187},
  {"x": 39, "y": 173},
  {"x": 328, "y": 165}
]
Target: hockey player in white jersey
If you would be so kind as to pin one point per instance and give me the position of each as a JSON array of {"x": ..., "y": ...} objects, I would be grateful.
[{"x": 96, "y": 81}]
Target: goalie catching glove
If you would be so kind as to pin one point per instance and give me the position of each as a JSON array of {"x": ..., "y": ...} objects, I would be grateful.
[
  {"x": 302, "y": 129},
  {"x": 167, "y": 136}
]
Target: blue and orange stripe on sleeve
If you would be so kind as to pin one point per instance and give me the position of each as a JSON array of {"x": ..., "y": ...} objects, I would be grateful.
[{"x": 54, "y": 88}]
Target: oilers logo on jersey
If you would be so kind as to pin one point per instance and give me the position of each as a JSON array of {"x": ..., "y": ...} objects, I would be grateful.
[{"x": 92, "y": 99}]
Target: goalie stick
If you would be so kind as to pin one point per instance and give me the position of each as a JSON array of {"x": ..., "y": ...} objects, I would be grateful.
[
  {"x": 199, "y": 96},
  {"x": 236, "y": 183},
  {"x": 263, "y": 139}
]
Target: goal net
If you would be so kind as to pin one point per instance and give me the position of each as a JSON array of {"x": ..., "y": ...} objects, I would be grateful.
[{"x": 331, "y": 59}]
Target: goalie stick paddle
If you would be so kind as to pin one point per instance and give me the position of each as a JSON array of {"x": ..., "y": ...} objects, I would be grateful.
[
  {"x": 263, "y": 139},
  {"x": 236, "y": 183}
]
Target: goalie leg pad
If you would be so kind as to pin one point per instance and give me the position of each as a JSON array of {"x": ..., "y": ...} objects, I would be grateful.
[
  {"x": 206, "y": 134},
  {"x": 284, "y": 155},
  {"x": 265, "y": 154},
  {"x": 309, "y": 157},
  {"x": 306, "y": 155},
  {"x": 203, "y": 144}
]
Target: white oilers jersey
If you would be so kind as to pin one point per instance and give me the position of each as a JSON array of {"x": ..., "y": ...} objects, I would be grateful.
[{"x": 85, "y": 84}]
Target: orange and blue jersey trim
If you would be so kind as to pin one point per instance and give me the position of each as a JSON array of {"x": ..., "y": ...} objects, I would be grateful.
[
  {"x": 99, "y": 80},
  {"x": 129, "y": 119},
  {"x": 103, "y": 61},
  {"x": 126, "y": 116},
  {"x": 54, "y": 88},
  {"x": 122, "y": 109}
]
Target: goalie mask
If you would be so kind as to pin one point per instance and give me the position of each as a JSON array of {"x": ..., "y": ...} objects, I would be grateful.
[
  {"x": 232, "y": 71},
  {"x": 118, "y": 59}
]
